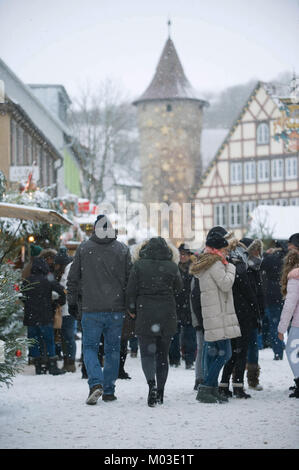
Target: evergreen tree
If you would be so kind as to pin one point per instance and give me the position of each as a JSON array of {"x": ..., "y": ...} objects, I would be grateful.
[
  {"x": 12, "y": 331},
  {"x": 13, "y": 342}
]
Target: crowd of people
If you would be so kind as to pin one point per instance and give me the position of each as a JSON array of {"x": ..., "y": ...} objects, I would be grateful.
[{"x": 212, "y": 309}]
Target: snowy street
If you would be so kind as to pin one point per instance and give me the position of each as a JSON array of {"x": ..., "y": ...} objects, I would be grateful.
[{"x": 49, "y": 412}]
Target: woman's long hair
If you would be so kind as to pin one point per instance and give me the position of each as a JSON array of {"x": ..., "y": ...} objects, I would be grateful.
[{"x": 290, "y": 262}]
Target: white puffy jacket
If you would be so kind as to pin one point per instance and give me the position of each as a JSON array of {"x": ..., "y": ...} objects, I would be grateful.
[{"x": 216, "y": 280}]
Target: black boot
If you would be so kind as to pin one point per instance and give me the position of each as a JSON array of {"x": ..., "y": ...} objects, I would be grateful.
[
  {"x": 122, "y": 374},
  {"x": 224, "y": 390},
  {"x": 38, "y": 365},
  {"x": 295, "y": 393},
  {"x": 52, "y": 367},
  {"x": 239, "y": 391},
  {"x": 160, "y": 396},
  {"x": 152, "y": 393}
]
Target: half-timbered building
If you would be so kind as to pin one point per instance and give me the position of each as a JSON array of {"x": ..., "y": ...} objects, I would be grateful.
[{"x": 251, "y": 167}]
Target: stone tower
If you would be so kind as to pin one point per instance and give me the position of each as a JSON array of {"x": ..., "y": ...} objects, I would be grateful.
[{"x": 170, "y": 123}]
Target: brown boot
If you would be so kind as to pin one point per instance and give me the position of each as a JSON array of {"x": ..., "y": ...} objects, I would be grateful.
[
  {"x": 253, "y": 373},
  {"x": 69, "y": 365}
]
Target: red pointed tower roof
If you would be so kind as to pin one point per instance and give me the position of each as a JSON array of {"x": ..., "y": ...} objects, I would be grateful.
[{"x": 169, "y": 81}]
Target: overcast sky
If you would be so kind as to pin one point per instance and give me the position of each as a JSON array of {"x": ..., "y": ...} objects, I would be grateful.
[{"x": 220, "y": 42}]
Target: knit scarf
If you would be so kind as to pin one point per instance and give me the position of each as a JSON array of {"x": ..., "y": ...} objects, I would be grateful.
[{"x": 214, "y": 251}]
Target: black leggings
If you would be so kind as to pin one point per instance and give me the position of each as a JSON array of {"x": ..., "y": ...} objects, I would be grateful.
[
  {"x": 154, "y": 358},
  {"x": 237, "y": 363}
]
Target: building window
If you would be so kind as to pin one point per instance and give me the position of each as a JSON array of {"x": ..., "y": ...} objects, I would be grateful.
[
  {"x": 249, "y": 206},
  {"x": 235, "y": 214},
  {"x": 220, "y": 217},
  {"x": 168, "y": 108},
  {"x": 265, "y": 202},
  {"x": 281, "y": 202},
  {"x": 20, "y": 146},
  {"x": 263, "y": 172},
  {"x": 236, "y": 173},
  {"x": 26, "y": 150},
  {"x": 294, "y": 201},
  {"x": 13, "y": 143},
  {"x": 262, "y": 133},
  {"x": 277, "y": 169},
  {"x": 249, "y": 172},
  {"x": 291, "y": 168}
]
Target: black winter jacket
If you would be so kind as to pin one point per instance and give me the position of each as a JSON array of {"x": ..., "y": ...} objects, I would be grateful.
[
  {"x": 154, "y": 280},
  {"x": 245, "y": 297},
  {"x": 39, "y": 306},
  {"x": 182, "y": 299},
  {"x": 271, "y": 268},
  {"x": 99, "y": 274}
]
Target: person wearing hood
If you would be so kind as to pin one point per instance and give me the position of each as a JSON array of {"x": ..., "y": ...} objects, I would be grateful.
[
  {"x": 154, "y": 280},
  {"x": 290, "y": 313},
  {"x": 216, "y": 278},
  {"x": 99, "y": 274},
  {"x": 38, "y": 314},
  {"x": 254, "y": 248}
]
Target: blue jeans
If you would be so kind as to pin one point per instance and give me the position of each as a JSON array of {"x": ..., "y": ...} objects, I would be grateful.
[
  {"x": 133, "y": 342},
  {"x": 273, "y": 313},
  {"x": 253, "y": 348},
  {"x": 94, "y": 324},
  {"x": 68, "y": 335},
  {"x": 215, "y": 355},
  {"x": 44, "y": 338}
]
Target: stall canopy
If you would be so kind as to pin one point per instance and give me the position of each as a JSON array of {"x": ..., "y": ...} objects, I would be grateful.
[{"x": 18, "y": 211}]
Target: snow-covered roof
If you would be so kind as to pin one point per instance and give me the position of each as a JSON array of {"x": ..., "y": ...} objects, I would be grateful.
[
  {"x": 276, "y": 222},
  {"x": 22, "y": 212},
  {"x": 169, "y": 81}
]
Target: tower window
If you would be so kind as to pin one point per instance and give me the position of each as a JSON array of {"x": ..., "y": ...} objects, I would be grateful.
[{"x": 168, "y": 108}]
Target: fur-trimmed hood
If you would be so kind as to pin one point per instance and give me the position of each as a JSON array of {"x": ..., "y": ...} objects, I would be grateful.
[
  {"x": 139, "y": 251},
  {"x": 204, "y": 262},
  {"x": 252, "y": 245}
]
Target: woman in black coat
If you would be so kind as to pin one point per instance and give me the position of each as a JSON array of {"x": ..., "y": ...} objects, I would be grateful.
[
  {"x": 247, "y": 311},
  {"x": 154, "y": 280},
  {"x": 39, "y": 312}
]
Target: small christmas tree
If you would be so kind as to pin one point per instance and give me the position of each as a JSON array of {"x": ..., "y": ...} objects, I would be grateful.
[
  {"x": 13, "y": 342},
  {"x": 12, "y": 331}
]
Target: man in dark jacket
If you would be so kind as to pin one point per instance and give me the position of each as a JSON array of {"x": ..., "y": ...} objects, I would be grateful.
[
  {"x": 38, "y": 313},
  {"x": 185, "y": 338},
  {"x": 271, "y": 268},
  {"x": 255, "y": 252},
  {"x": 99, "y": 273},
  {"x": 247, "y": 311}
]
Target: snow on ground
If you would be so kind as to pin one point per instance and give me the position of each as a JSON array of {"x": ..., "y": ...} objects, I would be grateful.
[{"x": 49, "y": 412}]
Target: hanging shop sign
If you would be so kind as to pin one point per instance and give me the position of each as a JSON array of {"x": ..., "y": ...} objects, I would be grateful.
[{"x": 20, "y": 174}]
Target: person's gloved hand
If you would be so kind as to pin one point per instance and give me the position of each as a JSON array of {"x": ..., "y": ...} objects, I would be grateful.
[{"x": 74, "y": 311}]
